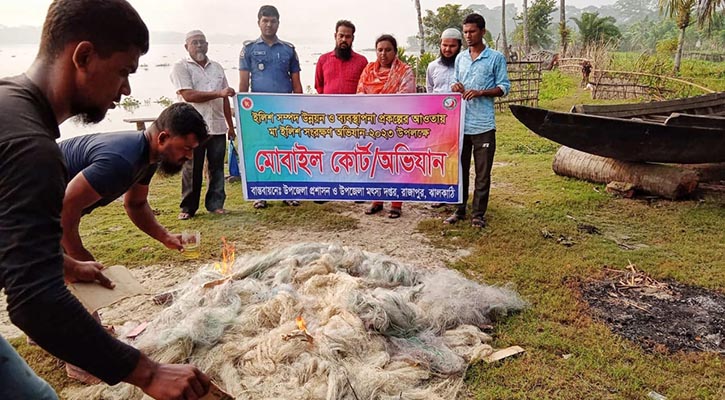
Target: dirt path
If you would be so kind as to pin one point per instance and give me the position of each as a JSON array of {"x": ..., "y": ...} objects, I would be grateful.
[{"x": 377, "y": 233}]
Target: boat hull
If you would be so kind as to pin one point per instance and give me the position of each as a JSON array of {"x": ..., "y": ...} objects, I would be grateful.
[
  {"x": 625, "y": 139},
  {"x": 708, "y": 104}
]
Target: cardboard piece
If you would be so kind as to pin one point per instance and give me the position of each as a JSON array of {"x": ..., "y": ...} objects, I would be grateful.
[
  {"x": 217, "y": 282},
  {"x": 501, "y": 354},
  {"x": 216, "y": 394},
  {"x": 165, "y": 298},
  {"x": 93, "y": 296},
  {"x": 137, "y": 330}
]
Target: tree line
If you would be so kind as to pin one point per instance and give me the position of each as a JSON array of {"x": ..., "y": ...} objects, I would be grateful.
[{"x": 663, "y": 26}]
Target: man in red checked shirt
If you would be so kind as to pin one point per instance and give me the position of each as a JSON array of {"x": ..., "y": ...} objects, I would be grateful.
[{"x": 339, "y": 70}]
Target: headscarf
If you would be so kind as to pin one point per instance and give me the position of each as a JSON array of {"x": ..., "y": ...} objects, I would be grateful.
[{"x": 398, "y": 78}]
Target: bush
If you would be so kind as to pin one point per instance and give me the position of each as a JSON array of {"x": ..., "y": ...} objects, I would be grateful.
[
  {"x": 555, "y": 85},
  {"x": 667, "y": 47},
  {"x": 418, "y": 63}
]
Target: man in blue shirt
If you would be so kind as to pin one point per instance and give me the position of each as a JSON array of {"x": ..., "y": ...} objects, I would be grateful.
[
  {"x": 480, "y": 75},
  {"x": 270, "y": 64},
  {"x": 104, "y": 166}
]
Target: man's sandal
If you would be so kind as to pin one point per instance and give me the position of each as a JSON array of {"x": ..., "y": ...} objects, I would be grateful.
[
  {"x": 478, "y": 222},
  {"x": 374, "y": 209},
  {"x": 452, "y": 219},
  {"x": 260, "y": 204},
  {"x": 394, "y": 213},
  {"x": 184, "y": 216}
]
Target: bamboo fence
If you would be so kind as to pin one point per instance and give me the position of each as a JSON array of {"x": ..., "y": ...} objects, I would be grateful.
[
  {"x": 572, "y": 65},
  {"x": 637, "y": 85},
  {"x": 705, "y": 56},
  {"x": 525, "y": 77},
  {"x": 623, "y": 85}
]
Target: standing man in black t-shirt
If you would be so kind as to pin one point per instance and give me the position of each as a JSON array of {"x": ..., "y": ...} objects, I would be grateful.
[{"x": 88, "y": 49}]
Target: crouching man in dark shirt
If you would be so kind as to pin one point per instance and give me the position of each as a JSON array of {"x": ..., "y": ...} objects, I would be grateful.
[
  {"x": 88, "y": 49},
  {"x": 104, "y": 166}
]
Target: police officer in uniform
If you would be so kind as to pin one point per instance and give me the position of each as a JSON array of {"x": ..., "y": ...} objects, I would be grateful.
[{"x": 269, "y": 65}]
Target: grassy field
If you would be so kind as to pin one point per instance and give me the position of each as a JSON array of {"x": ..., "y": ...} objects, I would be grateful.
[
  {"x": 684, "y": 241},
  {"x": 706, "y": 73}
]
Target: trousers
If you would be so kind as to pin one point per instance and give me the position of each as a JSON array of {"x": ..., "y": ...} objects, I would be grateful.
[
  {"x": 17, "y": 380},
  {"x": 482, "y": 146},
  {"x": 192, "y": 174}
]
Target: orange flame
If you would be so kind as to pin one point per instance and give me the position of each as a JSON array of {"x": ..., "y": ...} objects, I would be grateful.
[
  {"x": 301, "y": 323},
  {"x": 225, "y": 268},
  {"x": 299, "y": 333}
]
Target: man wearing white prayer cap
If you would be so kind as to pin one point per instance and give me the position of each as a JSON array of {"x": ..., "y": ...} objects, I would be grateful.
[
  {"x": 439, "y": 75},
  {"x": 201, "y": 82}
]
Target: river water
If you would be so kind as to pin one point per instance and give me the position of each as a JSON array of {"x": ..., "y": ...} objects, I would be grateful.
[{"x": 151, "y": 82}]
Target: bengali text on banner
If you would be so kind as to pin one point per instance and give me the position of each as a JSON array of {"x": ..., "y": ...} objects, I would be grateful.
[{"x": 402, "y": 147}]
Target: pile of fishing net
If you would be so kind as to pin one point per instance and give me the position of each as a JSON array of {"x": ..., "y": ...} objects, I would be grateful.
[{"x": 375, "y": 328}]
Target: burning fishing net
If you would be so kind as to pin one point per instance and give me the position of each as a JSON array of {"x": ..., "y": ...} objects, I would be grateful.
[{"x": 320, "y": 321}]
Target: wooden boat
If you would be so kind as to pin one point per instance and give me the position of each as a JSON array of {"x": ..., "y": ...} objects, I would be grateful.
[
  {"x": 676, "y": 138},
  {"x": 708, "y": 104}
]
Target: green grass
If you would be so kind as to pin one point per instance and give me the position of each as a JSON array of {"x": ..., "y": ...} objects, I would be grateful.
[
  {"x": 48, "y": 367},
  {"x": 679, "y": 240},
  {"x": 110, "y": 235},
  {"x": 706, "y": 73},
  {"x": 556, "y": 85},
  {"x": 682, "y": 240}
]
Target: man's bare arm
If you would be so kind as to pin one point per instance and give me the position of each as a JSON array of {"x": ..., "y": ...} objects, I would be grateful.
[
  {"x": 135, "y": 201},
  {"x": 243, "y": 81},
  {"x": 198, "y": 96},
  {"x": 471, "y": 93},
  {"x": 296, "y": 83},
  {"x": 231, "y": 134},
  {"x": 168, "y": 381},
  {"x": 79, "y": 195}
]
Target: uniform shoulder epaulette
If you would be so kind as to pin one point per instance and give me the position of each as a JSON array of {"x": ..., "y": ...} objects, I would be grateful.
[
  {"x": 243, "y": 51},
  {"x": 287, "y": 43}
]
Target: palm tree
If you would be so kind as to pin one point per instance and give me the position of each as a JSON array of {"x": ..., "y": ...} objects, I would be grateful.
[
  {"x": 503, "y": 29},
  {"x": 593, "y": 28},
  {"x": 526, "y": 27},
  {"x": 644, "y": 34},
  {"x": 681, "y": 12},
  {"x": 420, "y": 27},
  {"x": 706, "y": 10},
  {"x": 563, "y": 32}
]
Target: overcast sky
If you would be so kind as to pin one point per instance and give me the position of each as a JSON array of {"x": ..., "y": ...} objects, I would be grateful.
[{"x": 301, "y": 20}]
